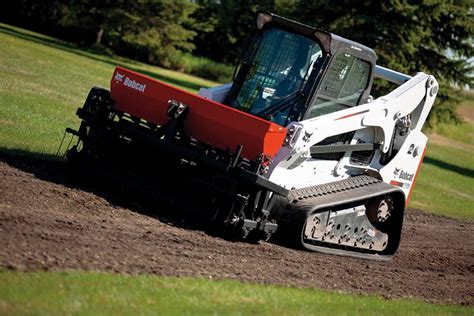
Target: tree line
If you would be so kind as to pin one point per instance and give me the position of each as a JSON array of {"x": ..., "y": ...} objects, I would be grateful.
[{"x": 434, "y": 36}]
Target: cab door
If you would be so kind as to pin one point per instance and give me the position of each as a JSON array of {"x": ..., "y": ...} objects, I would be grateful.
[{"x": 346, "y": 83}]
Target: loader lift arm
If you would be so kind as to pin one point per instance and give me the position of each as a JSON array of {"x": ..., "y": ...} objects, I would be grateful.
[{"x": 370, "y": 211}]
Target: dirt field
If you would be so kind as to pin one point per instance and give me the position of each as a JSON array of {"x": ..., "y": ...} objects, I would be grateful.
[{"x": 47, "y": 222}]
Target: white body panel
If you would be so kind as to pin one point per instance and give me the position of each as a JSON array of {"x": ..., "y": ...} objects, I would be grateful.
[{"x": 375, "y": 122}]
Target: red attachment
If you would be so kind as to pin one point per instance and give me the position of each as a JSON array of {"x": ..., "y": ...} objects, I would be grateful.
[{"x": 207, "y": 121}]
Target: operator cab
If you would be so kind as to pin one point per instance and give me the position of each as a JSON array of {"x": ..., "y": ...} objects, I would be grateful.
[{"x": 290, "y": 72}]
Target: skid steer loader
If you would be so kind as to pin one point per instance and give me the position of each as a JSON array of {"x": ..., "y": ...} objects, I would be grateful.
[{"x": 295, "y": 145}]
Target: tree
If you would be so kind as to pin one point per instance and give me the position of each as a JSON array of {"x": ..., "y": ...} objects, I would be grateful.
[
  {"x": 160, "y": 29},
  {"x": 41, "y": 16},
  {"x": 232, "y": 21},
  {"x": 151, "y": 30},
  {"x": 93, "y": 17}
]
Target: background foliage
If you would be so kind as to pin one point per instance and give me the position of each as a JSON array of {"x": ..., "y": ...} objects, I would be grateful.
[{"x": 205, "y": 37}]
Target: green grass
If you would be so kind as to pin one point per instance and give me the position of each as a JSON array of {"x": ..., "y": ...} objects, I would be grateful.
[
  {"x": 468, "y": 96},
  {"x": 463, "y": 132},
  {"x": 206, "y": 68},
  {"x": 59, "y": 293},
  {"x": 43, "y": 81},
  {"x": 445, "y": 183}
]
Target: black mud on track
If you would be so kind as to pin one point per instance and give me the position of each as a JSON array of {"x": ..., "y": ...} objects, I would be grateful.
[{"x": 48, "y": 222}]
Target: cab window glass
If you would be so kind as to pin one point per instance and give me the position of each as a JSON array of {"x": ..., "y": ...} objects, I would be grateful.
[
  {"x": 343, "y": 85},
  {"x": 281, "y": 67}
]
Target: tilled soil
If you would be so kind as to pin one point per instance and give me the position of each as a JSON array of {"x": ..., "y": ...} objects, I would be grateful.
[{"x": 48, "y": 222}]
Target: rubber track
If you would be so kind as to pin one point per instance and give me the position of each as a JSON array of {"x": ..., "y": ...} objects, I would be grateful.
[
  {"x": 297, "y": 195},
  {"x": 307, "y": 200},
  {"x": 304, "y": 201},
  {"x": 291, "y": 213}
]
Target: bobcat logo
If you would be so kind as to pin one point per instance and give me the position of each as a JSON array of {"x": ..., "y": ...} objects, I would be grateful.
[
  {"x": 307, "y": 136},
  {"x": 401, "y": 174},
  {"x": 396, "y": 172},
  {"x": 118, "y": 77}
]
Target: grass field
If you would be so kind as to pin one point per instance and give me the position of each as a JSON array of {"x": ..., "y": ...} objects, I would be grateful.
[
  {"x": 446, "y": 182},
  {"x": 464, "y": 132},
  {"x": 59, "y": 293},
  {"x": 43, "y": 81}
]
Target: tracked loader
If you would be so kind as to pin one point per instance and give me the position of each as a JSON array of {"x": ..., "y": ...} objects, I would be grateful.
[{"x": 295, "y": 146}]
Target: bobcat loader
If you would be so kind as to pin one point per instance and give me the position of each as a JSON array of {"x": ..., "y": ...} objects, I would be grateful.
[{"x": 295, "y": 145}]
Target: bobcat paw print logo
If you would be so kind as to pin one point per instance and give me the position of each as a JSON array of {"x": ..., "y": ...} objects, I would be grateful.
[
  {"x": 118, "y": 77},
  {"x": 307, "y": 136},
  {"x": 396, "y": 172}
]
